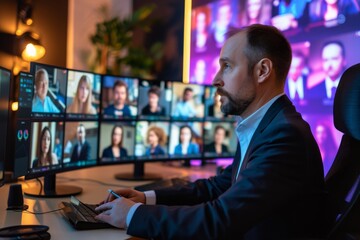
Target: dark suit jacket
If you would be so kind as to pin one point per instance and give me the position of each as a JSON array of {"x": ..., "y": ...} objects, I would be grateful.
[
  {"x": 277, "y": 195},
  {"x": 107, "y": 153},
  {"x": 84, "y": 153},
  {"x": 211, "y": 148}
]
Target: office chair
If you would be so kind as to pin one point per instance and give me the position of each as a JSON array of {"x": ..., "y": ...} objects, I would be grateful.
[{"x": 343, "y": 178}]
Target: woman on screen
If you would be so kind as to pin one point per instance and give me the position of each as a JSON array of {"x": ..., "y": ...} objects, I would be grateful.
[
  {"x": 155, "y": 137},
  {"x": 45, "y": 157},
  {"x": 186, "y": 146},
  {"x": 82, "y": 100},
  {"x": 217, "y": 146},
  {"x": 115, "y": 151}
]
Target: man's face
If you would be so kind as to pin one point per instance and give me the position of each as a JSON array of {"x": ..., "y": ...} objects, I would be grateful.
[
  {"x": 187, "y": 95},
  {"x": 119, "y": 95},
  {"x": 333, "y": 60},
  {"x": 42, "y": 87},
  {"x": 296, "y": 67},
  {"x": 80, "y": 133},
  {"x": 153, "y": 100},
  {"x": 234, "y": 83}
]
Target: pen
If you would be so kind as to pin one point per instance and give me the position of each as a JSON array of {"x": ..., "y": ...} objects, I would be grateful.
[{"x": 113, "y": 193}]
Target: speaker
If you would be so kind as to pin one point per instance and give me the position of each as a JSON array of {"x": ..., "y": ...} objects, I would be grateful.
[{"x": 15, "y": 198}]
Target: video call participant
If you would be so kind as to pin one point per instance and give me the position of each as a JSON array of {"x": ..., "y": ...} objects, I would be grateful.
[
  {"x": 44, "y": 155},
  {"x": 81, "y": 150},
  {"x": 156, "y": 138},
  {"x": 200, "y": 35},
  {"x": 153, "y": 108},
  {"x": 119, "y": 108},
  {"x": 296, "y": 83},
  {"x": 214, "y": 109},
  {"x": 41, "y": 102},
  {"x": 82, "y": 100},
  {"x": 333, "y": 65},
  {"x": 185, "y": 108},
  {"x": 274, "y": 191},
  {"x": 255, "y": 11},
  {"x": 115, "y": 150},
  {"x": 217, "y": 146},
  {"x": 327, "y": 10}
]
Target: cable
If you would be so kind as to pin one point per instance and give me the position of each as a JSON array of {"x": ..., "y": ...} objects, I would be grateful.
[
  {"x": 41, "y": 185},
  {"x": 92, "y": 180},
  {"x": 38, "y": 213}
]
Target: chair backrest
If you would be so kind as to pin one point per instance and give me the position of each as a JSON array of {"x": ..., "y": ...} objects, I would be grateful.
[{"x": 343, "y": 178}]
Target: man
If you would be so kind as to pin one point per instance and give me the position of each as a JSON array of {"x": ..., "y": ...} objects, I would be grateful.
[
  {"x": 81, "y": 150},
  {"x": 333, "y": 65},
  {"x": 41, "y": 102},
  {"x": 273, "y": 189},
  {"x": 119, "y": 108},
  {"x": 153, "y": 108},
  {"x": 296, "y": 84},
  {"x": 185, "y": 108}
]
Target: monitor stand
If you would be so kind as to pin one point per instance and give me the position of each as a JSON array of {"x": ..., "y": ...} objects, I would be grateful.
[
  {"x": 51, "y": 190},
  {"x": 138, "y": 174}
]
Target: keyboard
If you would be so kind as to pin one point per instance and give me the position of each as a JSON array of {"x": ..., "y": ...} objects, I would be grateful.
[
  {"x": 81, "y": 215},
  {"x": 163, "y": 184}
]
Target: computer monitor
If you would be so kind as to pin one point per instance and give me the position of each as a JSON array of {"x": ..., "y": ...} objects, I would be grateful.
[
  {"x": 57, "y": 125},
  {"x": 5, "y": 77},
  {"x": 70, "y": 119}
]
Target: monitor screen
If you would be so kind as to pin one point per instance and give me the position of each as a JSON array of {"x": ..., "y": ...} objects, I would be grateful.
[
  {"x": 5, "y": 77},
  {"x": 324, "y": 44},
  {"x": 69, "y": 119}
]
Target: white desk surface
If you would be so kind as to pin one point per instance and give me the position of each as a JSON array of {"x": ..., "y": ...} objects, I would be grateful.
[{"x": 93, "y": 192}]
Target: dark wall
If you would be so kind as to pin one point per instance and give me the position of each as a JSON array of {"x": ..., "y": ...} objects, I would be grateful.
[
  {"x": 168, "y": 29},
  {"x": 50, "y": 22}
]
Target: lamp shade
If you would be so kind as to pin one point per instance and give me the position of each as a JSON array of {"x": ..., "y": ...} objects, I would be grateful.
[{"x": 30, "y": 48}]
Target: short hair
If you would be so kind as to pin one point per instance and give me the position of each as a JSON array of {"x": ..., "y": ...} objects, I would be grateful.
[
  {"x": 340, "y": 44},
  {"x": 40, "y": 72},
  {"x": 159, "y": 132},
  {"x": 120, "y": 83},
  {"x": 266, "y": 41},
  {"x": 155, "y": 90},
  {"x": 188, "y": 89}
]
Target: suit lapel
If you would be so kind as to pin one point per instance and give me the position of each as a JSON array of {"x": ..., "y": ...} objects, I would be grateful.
[
  {"x": 236, "y": 163},
  {"x": 267, "y": 119}
]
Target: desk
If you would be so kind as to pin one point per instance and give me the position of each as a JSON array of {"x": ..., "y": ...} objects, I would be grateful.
[{"x": 93, "y": 192}]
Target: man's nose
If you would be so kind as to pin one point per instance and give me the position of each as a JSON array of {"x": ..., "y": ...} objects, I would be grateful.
[{"x": 217, "y": 81}]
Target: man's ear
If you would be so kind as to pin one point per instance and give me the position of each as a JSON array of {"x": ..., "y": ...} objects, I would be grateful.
[{"x": 264, "y": 69}]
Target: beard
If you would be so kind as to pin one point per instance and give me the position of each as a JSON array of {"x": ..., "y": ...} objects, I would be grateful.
[{"x": 234, "y": 104}]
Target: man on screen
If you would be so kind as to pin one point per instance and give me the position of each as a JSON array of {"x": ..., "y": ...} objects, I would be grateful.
[
  {"x": 274, "y": 187},
  {"x": 185, "y": 108},
  {"x": 333, "y": 65},
  {"x": 42, "y": 102},
  {"x": 81, "y": 150},
  {"x": 119, "y": 108},
  {"x": 296, "y": 84}
]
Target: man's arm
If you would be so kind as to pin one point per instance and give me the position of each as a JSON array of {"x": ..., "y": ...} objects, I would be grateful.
[{"x": 275, "y": 182}]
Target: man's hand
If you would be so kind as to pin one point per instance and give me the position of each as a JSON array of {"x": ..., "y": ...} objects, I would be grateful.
[
  {"x": 128, "y": 193},
  {"x": 115, "y": 212}
]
